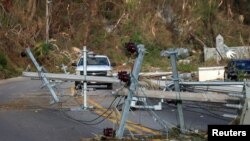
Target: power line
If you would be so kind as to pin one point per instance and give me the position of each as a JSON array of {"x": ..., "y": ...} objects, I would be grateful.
[{"x": 88, "y": 122}]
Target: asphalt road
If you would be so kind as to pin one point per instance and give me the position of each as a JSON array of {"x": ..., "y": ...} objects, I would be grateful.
[
  {"x": 23, "y": 118},
  {"x": 26, "y": 115}
]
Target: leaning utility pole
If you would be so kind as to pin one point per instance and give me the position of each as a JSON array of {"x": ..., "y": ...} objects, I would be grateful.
[
  {"x": 172, "y": 54},
  {"x": 132, "y": 89},
  {"x": 43, "y": 76},
  {"x": 177, "y": 89}
]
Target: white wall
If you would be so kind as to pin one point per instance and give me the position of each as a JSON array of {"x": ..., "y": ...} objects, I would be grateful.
[{"x": 211, "y": 73}]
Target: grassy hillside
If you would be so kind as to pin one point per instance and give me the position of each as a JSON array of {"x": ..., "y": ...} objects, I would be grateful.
[{"x": 105, "y": 25}]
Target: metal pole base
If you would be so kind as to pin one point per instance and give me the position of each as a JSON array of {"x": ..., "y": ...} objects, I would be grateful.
[
  {"x": 87, "y": 107},
  {"x": 82, "y": 108}
]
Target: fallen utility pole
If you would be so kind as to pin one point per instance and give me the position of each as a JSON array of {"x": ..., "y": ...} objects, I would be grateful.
[
  {"x": 42, "y": 75},
  {"x": 72, "y": 77},
  {"x": 216, "y": 86},
  {"x": 154, "y": 74},
  {"x": 185, "y": 96},
  {"x": 132, "y": 89}
]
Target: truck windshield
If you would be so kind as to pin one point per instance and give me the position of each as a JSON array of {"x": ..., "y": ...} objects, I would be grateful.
[{"x": 95, "y": 61}]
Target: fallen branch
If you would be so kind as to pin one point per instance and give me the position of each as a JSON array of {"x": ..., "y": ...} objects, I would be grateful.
[{"x": 118, "y": 22}]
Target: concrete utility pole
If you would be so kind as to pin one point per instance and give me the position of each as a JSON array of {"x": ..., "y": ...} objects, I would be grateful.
[
  {"x": 132, "y": 89},
  {"x": 84, "y": 89},
  {"x": 173, "y": 59},
  {"x": 177, "y": 89},
  {"x": 42, "y": 75},
  {"x": 245, "y": 115},
  {"x": 185, "y": 96}
]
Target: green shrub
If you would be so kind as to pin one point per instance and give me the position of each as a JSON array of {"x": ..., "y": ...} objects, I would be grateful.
[
  {"x": 186, "y": 67},
  {"x": 42, "y": 49},
  {"x": 153, "y": 58}
]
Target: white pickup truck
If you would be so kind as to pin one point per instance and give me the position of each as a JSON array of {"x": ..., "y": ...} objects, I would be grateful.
[{"x": 97, "y": 65}]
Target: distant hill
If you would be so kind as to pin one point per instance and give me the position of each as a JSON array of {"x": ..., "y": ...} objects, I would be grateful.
[{"x": 104, "y": 26}]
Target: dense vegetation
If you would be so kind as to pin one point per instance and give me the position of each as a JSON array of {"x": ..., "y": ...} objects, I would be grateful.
[{"x": 105, "y": 25}]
